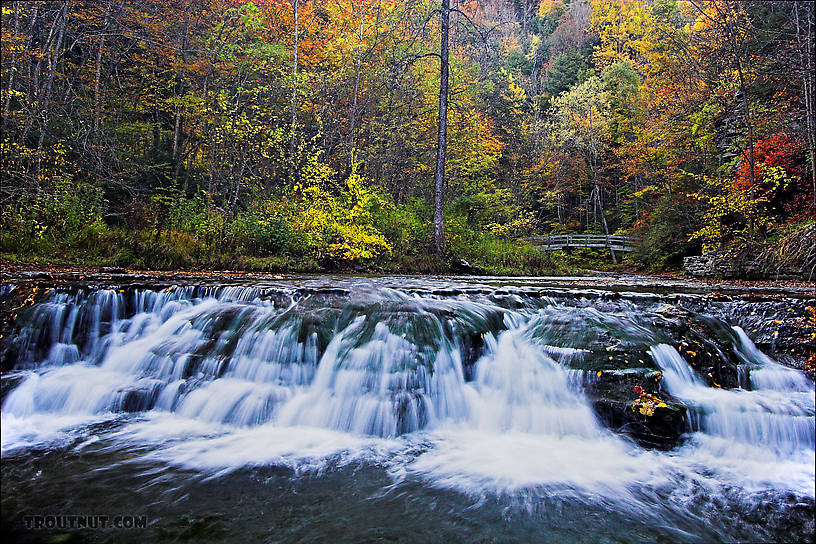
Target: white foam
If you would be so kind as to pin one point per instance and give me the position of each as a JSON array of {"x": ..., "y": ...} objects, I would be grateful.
[
  {"x": 476, "y": 462},
  {"x": 217, "y": 448},
  {"x": 37, "y": 430}
]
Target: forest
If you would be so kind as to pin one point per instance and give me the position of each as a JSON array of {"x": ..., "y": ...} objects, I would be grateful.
[{"x": 405, "y": 136}]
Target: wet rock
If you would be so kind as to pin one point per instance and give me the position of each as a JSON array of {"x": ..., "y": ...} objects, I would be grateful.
[
  {"x": 662, "y": 429},
  {"x": 8, "y": 382},
  {"x": 138, "y": 400},
  {"x": 632, "y": 402},
  {"x": 615, "y": 359},
  {"x": 461, "y": 265},
  {"x": 707, "y": 345},
  {"x": 19, "y": 349},
  {"x": 471, "y": 348}
]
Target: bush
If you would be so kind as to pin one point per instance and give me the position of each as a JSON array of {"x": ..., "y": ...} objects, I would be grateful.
[
  {"x": 321, "y": 222},
  {"x": 54, "y": 218}
]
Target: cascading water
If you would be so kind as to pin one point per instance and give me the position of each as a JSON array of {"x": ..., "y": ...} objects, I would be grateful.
[
  {"x": 777, "y": 415},
  {"x": 764, "y": 437},
  {"x": 479, "y": 394}
]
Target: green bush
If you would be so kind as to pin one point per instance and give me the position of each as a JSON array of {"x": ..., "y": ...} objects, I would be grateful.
[
  {"x": 54, "y": 218},
  {"x": 320, "y": 222}
]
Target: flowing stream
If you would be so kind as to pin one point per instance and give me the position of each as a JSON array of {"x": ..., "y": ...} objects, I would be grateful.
[{"x": 395, "y": 414}]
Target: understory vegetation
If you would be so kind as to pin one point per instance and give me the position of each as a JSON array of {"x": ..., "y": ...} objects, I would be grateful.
[{"x": 275, "y": 135}]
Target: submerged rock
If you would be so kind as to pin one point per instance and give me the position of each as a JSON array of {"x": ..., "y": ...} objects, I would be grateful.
[{"x": 632, "y": 402}]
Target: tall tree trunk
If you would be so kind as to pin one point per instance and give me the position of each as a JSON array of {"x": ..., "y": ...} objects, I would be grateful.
[
  {"x": 731, "y": 30},
  {"x": 603, "y": 216},
  {"x": 31, "y": 46},
  {"x": 294, "y": 80},
  {"x": 177, "y": 126},
  {"x": 593, "y": 162},
  {"x": 52, "y": 67},
  {"x": 806, "y": 68},
  {"x": 34, "y": 75},
  {"x": 176, "y": 130},
  {"x": 97, "y": 94},
  {"x": 97, "y": 108},
  {"x": 441, "y": 145}
]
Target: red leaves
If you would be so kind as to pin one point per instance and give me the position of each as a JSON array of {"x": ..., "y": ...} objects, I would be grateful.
[
  {"x": 638, "y": 389},
  {"x": 781, "y": 150}
]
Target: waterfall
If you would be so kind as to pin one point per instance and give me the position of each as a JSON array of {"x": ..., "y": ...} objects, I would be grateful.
[
  {"x": 517, "y": 387},
  {"x": 483, "y": 390},
  {"x": 385, "y": 387},
  {"x": 767, "y": 374},
  {"x": 678, "y": 376},
  {"x": 777, "y": 415}
]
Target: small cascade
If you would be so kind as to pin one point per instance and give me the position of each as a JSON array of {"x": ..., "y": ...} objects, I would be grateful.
[
  {"x": 210, "y": 357},
  {"x": 779, "y": 420},
  {"x": 678, "y": 376},
  {"x": 385, "y": 386},
  {"x": 519, "y": 388},
  {"x": 765, "y": 373},
  {"x": 744, "y": 377}
]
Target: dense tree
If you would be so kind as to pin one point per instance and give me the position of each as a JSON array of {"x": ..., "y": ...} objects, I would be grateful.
[{"x": 329, "y": 130}]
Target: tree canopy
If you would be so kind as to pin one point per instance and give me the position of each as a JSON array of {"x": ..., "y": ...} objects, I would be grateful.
[{"x": 307, "y": 130}]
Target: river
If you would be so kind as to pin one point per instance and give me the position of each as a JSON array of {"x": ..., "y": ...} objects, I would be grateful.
[{"x": 354, "y": 409}]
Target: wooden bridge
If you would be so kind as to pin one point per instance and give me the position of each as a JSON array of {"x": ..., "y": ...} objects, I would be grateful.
[{"x": 562, "y": 241}]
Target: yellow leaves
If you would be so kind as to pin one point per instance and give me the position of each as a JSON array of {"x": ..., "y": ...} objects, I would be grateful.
[
  {"x": 514, "y": 94},
  {"x": 648, "y": 190},
  {"x": 334, "y": 227},
  {"x": 600, "y": 373},
  {"x": 647, "y": 403},
  {"x": 535, "y": 43},
  {"x": 29, "y": 299},
  {"x": 547, "y": 7},
  {"x": 719, "y": 223},
  {"x": 647, "y": 409},
  {"x": 627, "y": 30}
]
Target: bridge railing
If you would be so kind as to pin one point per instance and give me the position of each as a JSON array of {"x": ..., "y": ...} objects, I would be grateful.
[{"x": 558, "y": 241}]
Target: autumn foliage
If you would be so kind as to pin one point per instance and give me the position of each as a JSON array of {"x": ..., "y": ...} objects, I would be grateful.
[
  {"x": 780, "y": 171},
  {"x": 302, "y": 134}
]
